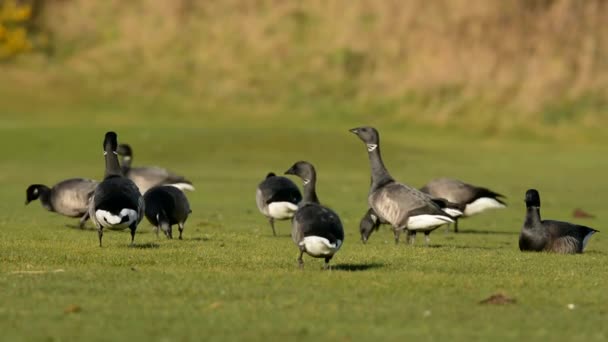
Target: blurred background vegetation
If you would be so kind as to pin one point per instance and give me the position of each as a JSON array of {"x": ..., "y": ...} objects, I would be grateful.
[{"x": 526, "y": 67}]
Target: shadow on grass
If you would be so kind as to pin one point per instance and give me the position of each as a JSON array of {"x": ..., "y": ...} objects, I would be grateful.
[
  {"x": 355, "y": 267},
  {"x": 146, "y": 245},
  {"x": 461, "y": 247},
  {"x": 485, "y": 232},
  {"x": 85, "y": 228}
]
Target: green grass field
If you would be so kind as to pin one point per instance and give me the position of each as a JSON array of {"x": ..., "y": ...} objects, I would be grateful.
[{"x": 230, "y": 279}]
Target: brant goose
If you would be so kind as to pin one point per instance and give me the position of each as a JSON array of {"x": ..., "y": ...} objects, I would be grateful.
[
  {"x": 550, "y": 236},
  {"x": 402, "y": 206},
  {"x": 316, "y": 229},
  {"x": 166, "y": 206},
  {"x": 69, "y": 197},
  {"x": 147, "y": 177},
  {"x": 474, "y": 199},
  {"x": 277, "y": 198},
  {"x": 116, "y": 202}
]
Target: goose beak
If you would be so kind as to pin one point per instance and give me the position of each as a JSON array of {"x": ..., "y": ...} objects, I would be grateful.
[
  {"x": 354, "y": 130},
  {"x": 290, "y": 171}
]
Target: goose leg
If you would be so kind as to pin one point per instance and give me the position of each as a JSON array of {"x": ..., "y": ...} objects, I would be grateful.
[
  {"x": 300, "y": 260},
  {"x": 427, "y": 238},
  {"x": 133, "y": 227},
  {"x": 397, "y": 232},
  {"x": 100, "y": 234},
  {"x": 456, "y": 226},
  {"x": 271, "y": 220},
  {"x": 326, "y": 265},
  {"x": 83, "y": 220},
  {"x": 156, "y": 230},
  {"x": 170, "y": 232},
  {"x": 411, "y": 237},
  {"x": 181, "y": 229}
]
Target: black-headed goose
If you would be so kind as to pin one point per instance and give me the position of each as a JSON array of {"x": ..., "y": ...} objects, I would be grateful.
[
  {"x": 403, "y": 206},
  {"x": 316, "y": 229},
  {"x": 116, "y": 202},
  {"x": 165, "y": 206},
  {"x": 475, "y": 199},
  {"x": 550, "y": 236},
  {"x": 146, "y": 177},
  {"x": 69, "y": 197},
  {"x": 277, "y": 198}
]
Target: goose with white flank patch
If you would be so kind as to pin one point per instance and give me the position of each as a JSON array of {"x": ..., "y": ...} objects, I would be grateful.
[
  {"x": 550, "y": 236},
  {"x": 370, "y": 222},
  {"x": 69, "y": 197},
  {"x": 146, "y": 177},
  {"x": 116, "y": 202},
  {"x": 166, "y": 206},
  {"x": 316, "y": 229},
  {"x": 475, "y": 199},
  {"x": 403, "y": 206},
  {"x": 277, "y": 198}
]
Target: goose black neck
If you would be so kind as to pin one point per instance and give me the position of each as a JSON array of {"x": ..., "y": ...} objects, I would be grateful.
[
  {"x": 380, "y": 175},
  {"x": 112, "y": 165},
  {"x": 310, "y": 191},
  {"x": 45, "y": 197},
  {"x": 532, "y": 217}
]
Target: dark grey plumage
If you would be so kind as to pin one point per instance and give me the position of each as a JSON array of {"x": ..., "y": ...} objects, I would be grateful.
[
  {"x": 403, "y": 206},
  {"x": 69, "y": 197},
  {"x": 165, "y": 207},
  {"x": 146, "y": 177},
  {"x": 116, "y": 202},
  {"x": 550, "y": 236},
  {"x": 474, "y": 199},
  {"x": 316, "y": 229},
  {"x": 277, "y": 198}
]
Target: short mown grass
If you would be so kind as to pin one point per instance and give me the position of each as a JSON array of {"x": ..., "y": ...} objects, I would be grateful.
[{"x": 230, "y": 279}]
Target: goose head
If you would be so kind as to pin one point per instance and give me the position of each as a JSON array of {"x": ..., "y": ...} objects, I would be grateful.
[
  {"x": 532, "y": 198},
  {"x": 304, "y": 170}
]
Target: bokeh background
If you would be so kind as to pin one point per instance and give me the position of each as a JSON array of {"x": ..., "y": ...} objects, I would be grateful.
[{"x": 528, "y": 68}]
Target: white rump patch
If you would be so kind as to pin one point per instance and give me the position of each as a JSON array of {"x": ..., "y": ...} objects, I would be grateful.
[
  {"x": 281, "y": 210},
  {"x": 586, "y": 239},
  {"x": 317, "y": 246},
  {"x": 421, "y": 222},
  {"x": 371, "y": 147},
  {"x": 482, "y": 204},
  {"x": 453, "y": 212},
  {"x": 111, "y": 221},
  {"x": 182, "y": 186}
]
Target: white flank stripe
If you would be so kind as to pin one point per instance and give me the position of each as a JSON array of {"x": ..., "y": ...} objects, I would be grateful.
[
  {"x": 482, "y": 204},
  {"x": 317, "y": 246},
  {"x": 421, "y": 222},
  {"x": 453, "y": 212},
  {"x": 183, "y": 186},
  {"x": 586, "y": 239}
]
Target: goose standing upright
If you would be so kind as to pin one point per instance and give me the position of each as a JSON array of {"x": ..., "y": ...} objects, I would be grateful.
[
  {"x": 146, "y": 177},
  {"x": 277, "y": 198},
  {"x": 403, "y": 206},
  {"x": 116, "y": 202},
  {"x": 316, "y": 229},
  {"x": 550, "y": 236},
  {"x": 475, "y": 199},
  {"x": 165, "y": 206},
  {"x": 69, "y": 197}
]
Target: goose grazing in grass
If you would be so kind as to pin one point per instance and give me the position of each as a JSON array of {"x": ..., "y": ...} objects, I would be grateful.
[
  {"x": 475, "y": 199},
  {"x": 166, "y": 206},
  {"x": 316, "y": 229},
  {"x": 550, "y": 236},
  {"x": 116, "y": 202},
  {"x": 69, "y": 197},
  {"x": 277, "y": 198},
  {"x": 146, "y": 177},
  {"x": 403, "y": 206}
]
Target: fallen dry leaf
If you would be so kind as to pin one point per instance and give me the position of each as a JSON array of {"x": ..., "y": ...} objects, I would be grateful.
[
  {"x": 498, "y": 299},
  {"x": 580, "y": 213},
  {"x": 72, "y": 309},
  {"x": 215, "y": 305}
]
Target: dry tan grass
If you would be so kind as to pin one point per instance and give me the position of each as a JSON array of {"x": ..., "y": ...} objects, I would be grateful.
[{"x": 465, "y": 59}]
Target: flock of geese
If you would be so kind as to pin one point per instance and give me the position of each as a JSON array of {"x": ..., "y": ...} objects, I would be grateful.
[{"x": 127, "y": 194}]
